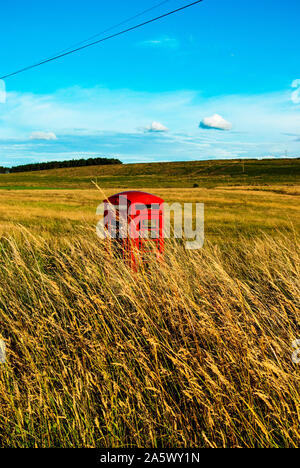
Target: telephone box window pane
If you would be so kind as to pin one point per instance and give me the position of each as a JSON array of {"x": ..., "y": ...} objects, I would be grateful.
[
  {"x": 154, "y": 234},
  {"x": 155, "y": 206},
  {"x": 149, "y": 224}
]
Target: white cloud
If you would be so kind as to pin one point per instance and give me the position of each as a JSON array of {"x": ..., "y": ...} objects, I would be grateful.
[
  {"x": 295, "y": 96},
  {"x": 48, "y": 136},
  {"x": 215, "y": 122},
  {"x": 157, "y": 127},
  {"x": 295, "y": 83}
]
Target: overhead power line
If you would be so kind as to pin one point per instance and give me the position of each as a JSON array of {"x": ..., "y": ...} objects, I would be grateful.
[
  {"x": 77, "y": 44},
  {"x": 56, "y": 57}
]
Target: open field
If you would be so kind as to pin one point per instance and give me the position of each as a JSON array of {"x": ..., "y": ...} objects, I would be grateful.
[
  {"x": 192, "y": 352},
  {"x": 229, "y": 211}
]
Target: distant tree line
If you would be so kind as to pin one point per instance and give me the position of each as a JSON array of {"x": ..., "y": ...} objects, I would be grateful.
[{"x": 60, "y": 164}]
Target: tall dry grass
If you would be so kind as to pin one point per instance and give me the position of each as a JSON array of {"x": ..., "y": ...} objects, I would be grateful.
[{"x": 192, "y": 352}]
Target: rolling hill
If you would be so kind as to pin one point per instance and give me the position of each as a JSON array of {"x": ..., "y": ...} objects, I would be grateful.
[{"x": 207, "y": 174}]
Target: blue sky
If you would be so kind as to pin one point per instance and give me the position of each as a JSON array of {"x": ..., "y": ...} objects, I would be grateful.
[{"x": 219, "y": 80}]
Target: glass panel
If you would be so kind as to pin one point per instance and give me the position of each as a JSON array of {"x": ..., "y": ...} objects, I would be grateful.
[
  {"x": 155, "y": 206},
  {"x": 149, "y": 223}
]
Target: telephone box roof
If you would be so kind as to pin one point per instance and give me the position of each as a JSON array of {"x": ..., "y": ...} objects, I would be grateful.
[{"x": 135, "y": 196}]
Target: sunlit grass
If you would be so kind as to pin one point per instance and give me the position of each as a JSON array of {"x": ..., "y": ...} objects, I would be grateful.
[
  {"x": 191, "y": 352},
  {"x": 227, "y": 210},
  {"x": 194, "y": 351}
]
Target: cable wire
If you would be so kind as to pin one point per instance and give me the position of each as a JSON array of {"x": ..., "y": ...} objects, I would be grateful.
[
  {"x": 110, "y": 28},
  {"x": 100, "y": 40}
]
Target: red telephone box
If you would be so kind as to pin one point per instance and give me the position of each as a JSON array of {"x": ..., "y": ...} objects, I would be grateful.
[{"x": 134, "y": 222}]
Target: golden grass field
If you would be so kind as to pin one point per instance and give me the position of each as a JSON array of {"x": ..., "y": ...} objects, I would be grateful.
[
  {"x": 192, "y": 352},
  {"x": 229, "y": 210}
]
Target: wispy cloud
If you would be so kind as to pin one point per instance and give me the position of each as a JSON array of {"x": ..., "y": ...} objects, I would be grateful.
[
  {"x": 165, "y": 41},
  {"x": 113, "y": 123},
  {"x": 48, "y": 136}
]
